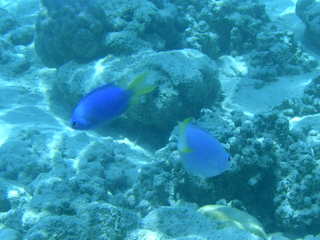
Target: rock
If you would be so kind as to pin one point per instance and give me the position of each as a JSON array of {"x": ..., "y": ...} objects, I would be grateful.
[
  {"x": 21, "y": 153},
  {"x": 59, "y": 227},
  {"x": 143, "y": 18},
  {"x": 9, "y": 234},
  {"x": 183, "y": 223},
  {"x": 172, "y": 221},
  {"x": 277, "y": 53},
  {"x": 308, "y": 12},
  {"x": 22, "y": 36},
  {"x": 7, "y": 21},
  {"x": 125, "y": 42},
  {"x": 106, "y": 221},
  {"x": 144, "y": 234},
  {"x": 234, "y": 217},
  {"x": 69, "y": 30},
  {"x": 83, "y": 31},
  {"x": 306, "y": 123},
  {"x": 13, "y": 62},
  {"x": 295, "y": 202}
]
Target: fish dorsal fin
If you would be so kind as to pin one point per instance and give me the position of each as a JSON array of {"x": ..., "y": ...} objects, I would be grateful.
[{"x": 105, "y": 86}]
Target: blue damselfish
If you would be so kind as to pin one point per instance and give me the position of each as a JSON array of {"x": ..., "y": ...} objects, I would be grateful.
[
  {"x": 107, "y": 102},
  {"x": 201, "y": 154}
]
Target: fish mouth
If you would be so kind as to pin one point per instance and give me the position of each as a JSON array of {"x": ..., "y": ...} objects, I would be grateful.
[{"x": 75, "y": 125}]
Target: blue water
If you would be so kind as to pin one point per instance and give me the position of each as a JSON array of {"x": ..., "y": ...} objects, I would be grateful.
[{"x": 244, "y": 71}]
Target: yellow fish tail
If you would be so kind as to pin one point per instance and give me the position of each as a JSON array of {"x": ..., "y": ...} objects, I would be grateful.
[{"x": 139, "y": 87}]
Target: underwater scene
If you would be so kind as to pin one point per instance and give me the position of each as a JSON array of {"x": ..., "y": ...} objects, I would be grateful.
[{"x": 159, "y": 120}]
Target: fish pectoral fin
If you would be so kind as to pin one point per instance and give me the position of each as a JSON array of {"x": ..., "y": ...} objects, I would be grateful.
[{"x": 186, "y": 150}]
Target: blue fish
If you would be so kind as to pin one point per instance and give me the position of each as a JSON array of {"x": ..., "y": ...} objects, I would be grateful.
[
  {"x": 107, "y": 102},
  {"x": 201, "y": 154}
]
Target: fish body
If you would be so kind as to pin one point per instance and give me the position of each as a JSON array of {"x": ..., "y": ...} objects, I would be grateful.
[
  {"x": 106, "y": 103},
  {"x": 103, "y": 104},
  {"x": 201, "y": 154}
]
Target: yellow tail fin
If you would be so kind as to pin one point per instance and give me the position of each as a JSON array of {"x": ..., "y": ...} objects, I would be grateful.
[
  {"x": 139, "y": 87},
  {"x": 182, "y": 142}
]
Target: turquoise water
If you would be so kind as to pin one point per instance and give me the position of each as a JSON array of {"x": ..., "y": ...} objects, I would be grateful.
[{"x": 245, "y": 72}]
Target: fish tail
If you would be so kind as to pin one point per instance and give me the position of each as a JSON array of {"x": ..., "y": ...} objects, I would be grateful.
[
  {"x": 139, "y": 87},
  {"x": 183, "y": 146},
  {"x": 183, "y": 125}
]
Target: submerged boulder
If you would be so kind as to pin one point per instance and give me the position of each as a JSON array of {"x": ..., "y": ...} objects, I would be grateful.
[
  {"x": 67, "y": 30},
  {"x": 308, "y": 11}
]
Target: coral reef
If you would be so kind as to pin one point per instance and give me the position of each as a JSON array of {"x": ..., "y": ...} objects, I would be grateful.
[
  {"x": 111, "y": 183},
  {"x": 308, "y": 11},
  {"x": 218, "y": 27},
  {"x": 278, "y": 54},
  {"x": 82, "y": 31},
  {"x": 307, "y": 104},
  {"x": 69, "y": 30},
  {"x": 7, "y": 21}
]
